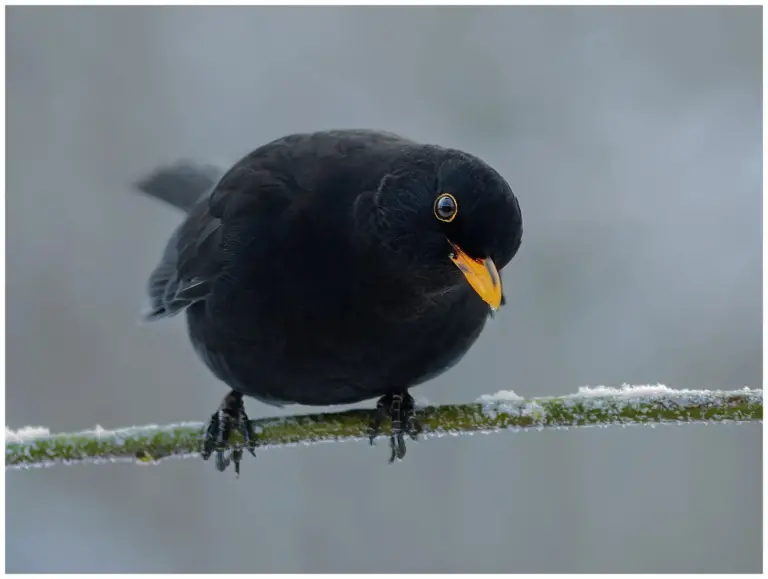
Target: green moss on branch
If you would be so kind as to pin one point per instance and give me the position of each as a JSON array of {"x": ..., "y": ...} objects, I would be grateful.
[{"x": 153, "y": 443}]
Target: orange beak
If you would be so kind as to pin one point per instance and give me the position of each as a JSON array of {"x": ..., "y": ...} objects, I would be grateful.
[{"x": 481, "y": 274}]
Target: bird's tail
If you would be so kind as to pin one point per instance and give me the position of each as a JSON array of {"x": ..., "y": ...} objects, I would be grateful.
[{"x": 181, "y": 184}]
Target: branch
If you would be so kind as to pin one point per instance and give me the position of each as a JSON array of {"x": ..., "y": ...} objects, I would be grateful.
[{"x": 600, "y": 406}]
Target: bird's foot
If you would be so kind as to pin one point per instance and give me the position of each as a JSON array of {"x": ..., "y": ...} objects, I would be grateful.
[
  {"x": 401, "y": 409},
  {"x": 230, "y": 415}
]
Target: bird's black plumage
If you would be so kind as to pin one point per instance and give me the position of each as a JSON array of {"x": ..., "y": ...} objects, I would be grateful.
[{"x": 316, "y": 271}]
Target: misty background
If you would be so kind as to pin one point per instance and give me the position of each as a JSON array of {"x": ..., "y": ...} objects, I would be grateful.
[{"x": 632, "y": 137}]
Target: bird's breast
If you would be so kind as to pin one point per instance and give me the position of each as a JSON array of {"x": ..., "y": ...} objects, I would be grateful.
[
  {"x": 320, "y": 350},
  {"x": 328, "y": 328}
]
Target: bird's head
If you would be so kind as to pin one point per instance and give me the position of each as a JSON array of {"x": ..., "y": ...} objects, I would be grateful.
[{"x": 450, "y": 219}]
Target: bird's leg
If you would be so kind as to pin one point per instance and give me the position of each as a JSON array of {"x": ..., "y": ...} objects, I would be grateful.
[
  {"x": 401, "y": 409},
  {"x": 231, "y": 414}
]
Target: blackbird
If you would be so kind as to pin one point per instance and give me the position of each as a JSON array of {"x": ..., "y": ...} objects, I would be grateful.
[{"x": 333, "y": 267}]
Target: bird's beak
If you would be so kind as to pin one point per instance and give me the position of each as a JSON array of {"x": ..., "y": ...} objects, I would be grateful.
[{"x": 481, "y": 274}]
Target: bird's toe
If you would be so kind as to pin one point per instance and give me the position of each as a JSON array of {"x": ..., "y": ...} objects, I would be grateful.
[
  {"x": 230, "y": 416},
  {"x": 400, "y": 408}
]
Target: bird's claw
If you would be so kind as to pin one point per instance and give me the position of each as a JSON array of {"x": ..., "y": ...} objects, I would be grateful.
[
  {"x": 231, "y": 415},
  {"x": 401, "y": 409}
]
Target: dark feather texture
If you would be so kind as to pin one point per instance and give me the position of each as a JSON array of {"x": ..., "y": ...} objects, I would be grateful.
[{"x": 315, "y": 271}]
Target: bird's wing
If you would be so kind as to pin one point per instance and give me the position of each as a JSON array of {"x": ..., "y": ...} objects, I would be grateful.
[
  {"x": 200, "y": 247},
  {"x": 190, "y": 262}
]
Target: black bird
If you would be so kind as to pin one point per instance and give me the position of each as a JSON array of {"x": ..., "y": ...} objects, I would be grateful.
[{"x": 333, "y": 267}]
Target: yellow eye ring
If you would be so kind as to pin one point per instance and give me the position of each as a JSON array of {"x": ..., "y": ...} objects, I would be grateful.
[{"x": 446, "y": 208}]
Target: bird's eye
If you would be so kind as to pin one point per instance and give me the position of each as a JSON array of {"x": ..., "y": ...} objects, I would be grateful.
[{"x": 446, "y": 207}]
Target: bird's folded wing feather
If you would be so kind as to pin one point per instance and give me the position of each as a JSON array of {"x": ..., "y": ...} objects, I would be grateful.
[
  {"x": 196, "y": 252},
  {"x": 190, "y": 263}
]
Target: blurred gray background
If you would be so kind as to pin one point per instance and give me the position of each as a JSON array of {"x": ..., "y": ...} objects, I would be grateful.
[{"x": 632, "y": 137}]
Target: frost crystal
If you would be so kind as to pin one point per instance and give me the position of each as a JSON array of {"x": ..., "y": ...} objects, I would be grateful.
[
  {"x": 26, "y": 433},
  {"x": 500, "y": 396}
]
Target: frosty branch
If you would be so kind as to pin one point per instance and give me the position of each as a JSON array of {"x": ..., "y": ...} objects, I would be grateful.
[{"x": 651, "y": 405}]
